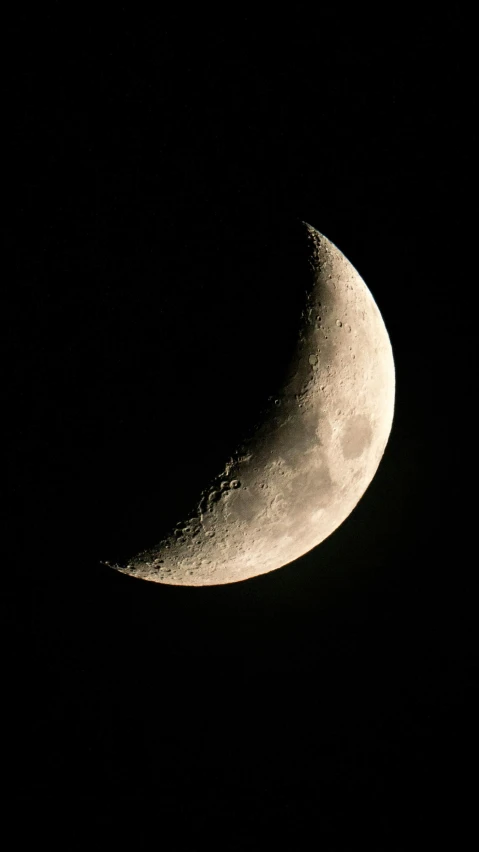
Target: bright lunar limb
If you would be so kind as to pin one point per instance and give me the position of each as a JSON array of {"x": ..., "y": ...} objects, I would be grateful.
[{"x": 315, "y": 450}]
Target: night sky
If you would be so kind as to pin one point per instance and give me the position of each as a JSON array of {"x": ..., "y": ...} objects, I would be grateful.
[{"x": 159, "y": 171}]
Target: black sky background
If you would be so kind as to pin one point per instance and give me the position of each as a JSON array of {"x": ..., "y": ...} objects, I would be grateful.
[{"x": 159, "y": 172}]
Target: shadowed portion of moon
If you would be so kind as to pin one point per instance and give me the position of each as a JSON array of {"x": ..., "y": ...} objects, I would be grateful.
[{"x": 312, "y": 452}]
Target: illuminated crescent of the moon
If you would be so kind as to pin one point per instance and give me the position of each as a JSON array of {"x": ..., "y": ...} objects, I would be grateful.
[{"x": 313, "y": 453}]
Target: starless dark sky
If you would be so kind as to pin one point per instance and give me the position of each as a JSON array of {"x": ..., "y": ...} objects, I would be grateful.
[{"x": 159, "y": 176}]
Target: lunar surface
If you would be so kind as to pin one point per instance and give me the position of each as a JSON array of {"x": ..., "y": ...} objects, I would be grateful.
[{"x": 311, "y": 455}]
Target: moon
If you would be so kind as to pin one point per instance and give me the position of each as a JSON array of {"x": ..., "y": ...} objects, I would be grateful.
[{"x": 311, "y": 454}]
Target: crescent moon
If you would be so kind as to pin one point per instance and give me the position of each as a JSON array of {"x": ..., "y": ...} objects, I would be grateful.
[{"x": 311, "y": 455}]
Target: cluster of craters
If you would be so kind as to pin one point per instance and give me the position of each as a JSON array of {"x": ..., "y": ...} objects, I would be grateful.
[{"x": 216, "y": 491}]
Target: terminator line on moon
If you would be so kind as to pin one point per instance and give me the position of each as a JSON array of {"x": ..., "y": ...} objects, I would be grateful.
[{"x": 313, "y": 453}]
